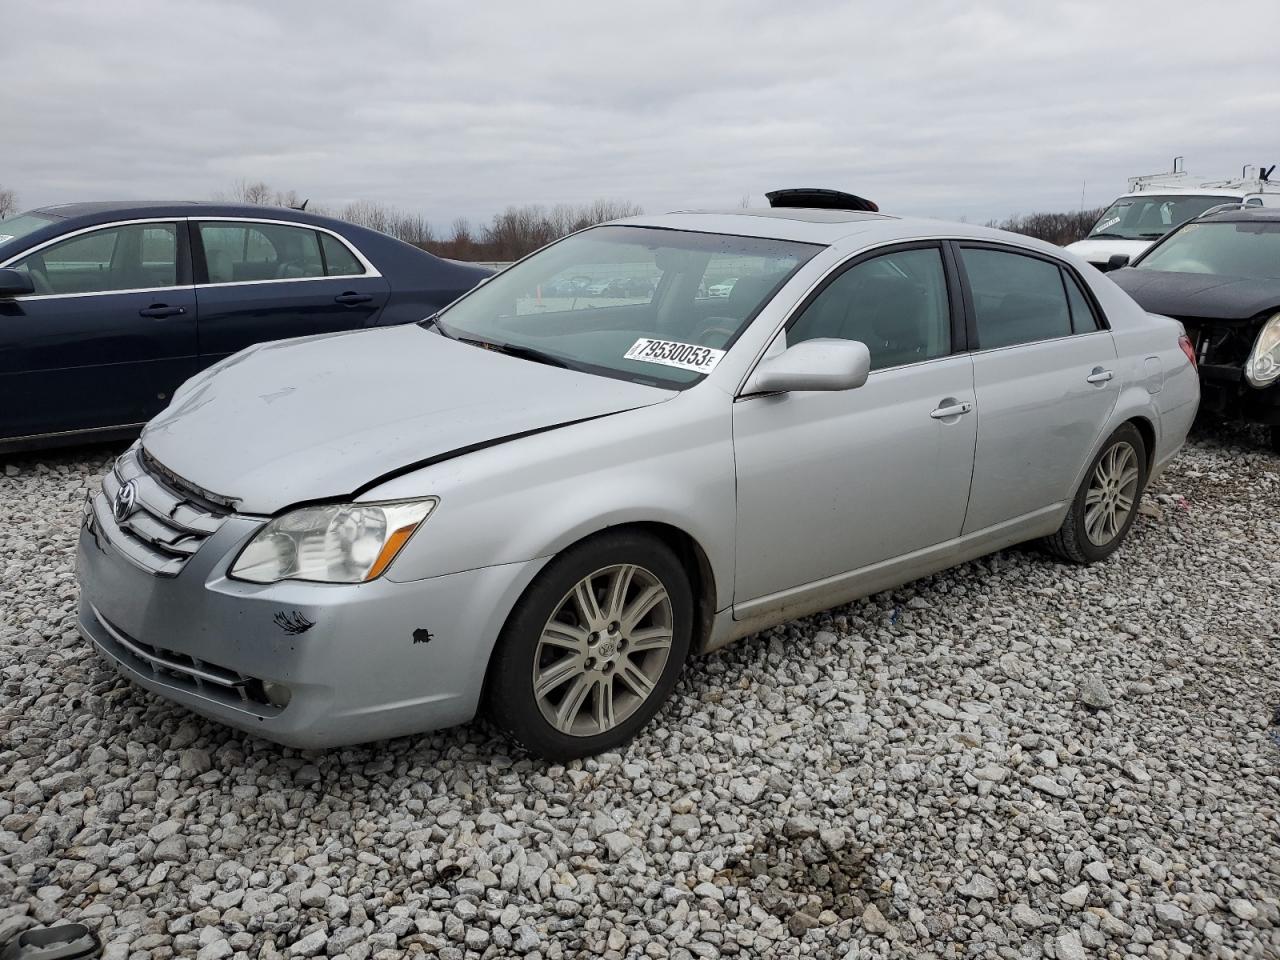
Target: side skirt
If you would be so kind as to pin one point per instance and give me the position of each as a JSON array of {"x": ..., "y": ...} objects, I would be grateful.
[{"x": 753, "y": 616}]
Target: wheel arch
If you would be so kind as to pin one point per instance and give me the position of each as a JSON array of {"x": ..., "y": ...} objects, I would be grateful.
[{"x": 689, "y": 552}]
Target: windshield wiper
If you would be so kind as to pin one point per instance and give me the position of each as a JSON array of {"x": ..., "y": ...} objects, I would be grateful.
[
  {"x": 510, "y": 349},
  {"x": 531, "y": 353},
  {"x": 1150, "y": 236},
  {"x": 1108, "y": 236}
]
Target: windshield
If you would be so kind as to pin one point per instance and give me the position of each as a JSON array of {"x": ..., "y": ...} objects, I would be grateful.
[
  {"x": 1250, "y": 250},
  {"x": 21, "y": 225},
  {"x": 638, "y": 303},
  {"x": 1150, "y": 218}
]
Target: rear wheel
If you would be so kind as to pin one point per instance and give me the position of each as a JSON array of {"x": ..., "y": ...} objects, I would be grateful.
[
  {"x": 593, "y": 648},
  {"x": 1275, "y": 439},
  {"x": 1104, "y": 507}
]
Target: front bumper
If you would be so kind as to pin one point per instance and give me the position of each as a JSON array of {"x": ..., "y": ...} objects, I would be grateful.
[{"x": 360, "y": 662}]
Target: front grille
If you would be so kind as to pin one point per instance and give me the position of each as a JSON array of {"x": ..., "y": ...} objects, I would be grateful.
[
  {"x": 184, "y": 671},
  {"x": 167, "y": 522}
]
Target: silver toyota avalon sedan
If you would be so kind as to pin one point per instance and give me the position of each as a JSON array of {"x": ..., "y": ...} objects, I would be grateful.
[{"x": 541, "y": 501}]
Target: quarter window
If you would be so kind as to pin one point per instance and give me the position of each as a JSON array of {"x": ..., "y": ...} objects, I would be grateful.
[
  {"x": 238, "y": 252},
  {"x": 1016, "y": 299},
  {"x": 338, "y": 260},
  {"x": 130, "y": 257},
  {"x": 896, "y": 304},
  {"x": 1083, "y": 319}
]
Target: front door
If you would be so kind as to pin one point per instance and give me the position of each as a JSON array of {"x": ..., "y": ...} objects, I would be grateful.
[
  {"x": 107, "y": 336},
  {"x": 1045, "y": 377},
  {"x": 259, "y": 281},
  {"x": 832, "y": 482}
]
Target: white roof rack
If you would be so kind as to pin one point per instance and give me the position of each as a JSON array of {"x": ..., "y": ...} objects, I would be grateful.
[{"x": 1252, "y": 179}]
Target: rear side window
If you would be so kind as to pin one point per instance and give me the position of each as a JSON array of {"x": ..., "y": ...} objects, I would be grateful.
[
  {"x": 1016, "y": 299},
  {"x": 338, "y": 260},
  {"x": 896, "y": 304},
  {"x": 240, "y": 252}
]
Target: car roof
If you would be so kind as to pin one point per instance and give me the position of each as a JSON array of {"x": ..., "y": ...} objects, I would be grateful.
[
  {"x": 828, "y": 227},
  {"x": 105, "y": 211},
  {"x": 1242, "y": 215}
]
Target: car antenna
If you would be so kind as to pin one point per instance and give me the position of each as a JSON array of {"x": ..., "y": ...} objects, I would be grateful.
[{"x": 303, "y": 205}]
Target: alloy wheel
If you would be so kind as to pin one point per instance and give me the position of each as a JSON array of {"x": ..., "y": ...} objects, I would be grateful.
[
  {"x": 603, "y": 650},
  {"x": 1112, "y": 493}
]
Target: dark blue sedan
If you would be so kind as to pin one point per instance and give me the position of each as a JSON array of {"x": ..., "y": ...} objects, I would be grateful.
[{"x": 105, "y": 308}]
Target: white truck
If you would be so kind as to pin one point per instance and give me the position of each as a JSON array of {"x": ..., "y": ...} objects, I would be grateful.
[{"x": 1157, "y": 203}]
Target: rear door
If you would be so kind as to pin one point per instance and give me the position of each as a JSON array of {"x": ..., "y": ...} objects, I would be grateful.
[
  {"x": 1044, "y": 372},
  {"x": 261, "y": 280},
  {"x": 107, "y": 336}
]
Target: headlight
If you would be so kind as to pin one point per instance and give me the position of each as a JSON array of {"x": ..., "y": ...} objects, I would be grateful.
[
  {"x": 334, "y": 543},
  {"x": 1264, "y": 359}
]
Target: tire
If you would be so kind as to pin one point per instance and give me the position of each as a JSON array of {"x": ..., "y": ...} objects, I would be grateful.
[
  {"x": 594, "y": 650},
  {"x": 1074, "y": 540},
  {"x": 1275, "y": 439}
]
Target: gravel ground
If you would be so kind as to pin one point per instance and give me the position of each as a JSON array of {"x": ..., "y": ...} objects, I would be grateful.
[{"x": 1015, "y": 758}]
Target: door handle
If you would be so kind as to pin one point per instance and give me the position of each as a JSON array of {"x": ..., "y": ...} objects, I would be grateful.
[
  {"x": 351, "y": 299},
  {"x": 1099, "y": 376},
  {"x": 951, "y": 409},
  {"x": 160, "y": 311}
]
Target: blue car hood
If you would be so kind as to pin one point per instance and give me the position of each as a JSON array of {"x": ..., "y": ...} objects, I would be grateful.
[{"x": 323, "y": 417}]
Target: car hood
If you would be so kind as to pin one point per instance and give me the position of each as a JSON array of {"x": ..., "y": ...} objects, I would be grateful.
[
  {"x": 1198, "y": 294},
  {"x": 1100, "y": 251},
  {"x": 325, "y": 417}
]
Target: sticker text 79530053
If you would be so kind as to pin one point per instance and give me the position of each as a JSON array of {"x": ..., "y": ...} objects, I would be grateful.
[{"x": 673, "y": 353}]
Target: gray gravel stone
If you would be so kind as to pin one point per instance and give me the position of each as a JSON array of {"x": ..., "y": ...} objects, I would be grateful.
[{"x": 848, "y": 784}]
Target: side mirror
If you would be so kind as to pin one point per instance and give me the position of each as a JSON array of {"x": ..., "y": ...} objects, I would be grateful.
[
  {"x": 15, "y": 283},
  {"x": 1116, "y": 261},
  {"x": 813, "y": 365}
]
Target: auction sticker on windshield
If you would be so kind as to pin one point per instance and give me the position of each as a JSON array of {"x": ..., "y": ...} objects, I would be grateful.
[{"x": 673, "y": 353}]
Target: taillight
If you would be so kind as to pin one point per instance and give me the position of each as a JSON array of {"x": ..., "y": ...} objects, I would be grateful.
[{"x": 1185, "y": 343}]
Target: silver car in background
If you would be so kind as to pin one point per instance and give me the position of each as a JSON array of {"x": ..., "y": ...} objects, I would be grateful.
[{"x": 541, "y": 506}]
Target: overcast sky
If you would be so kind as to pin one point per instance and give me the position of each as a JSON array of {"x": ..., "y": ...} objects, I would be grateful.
[{"x": 968, "y": 109}]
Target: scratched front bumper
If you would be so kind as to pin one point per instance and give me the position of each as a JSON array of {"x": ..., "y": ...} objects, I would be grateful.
[{"x": 377, "y": 660}]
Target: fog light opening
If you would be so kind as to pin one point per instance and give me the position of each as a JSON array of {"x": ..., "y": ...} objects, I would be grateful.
[{"x": 277, "y": 694}]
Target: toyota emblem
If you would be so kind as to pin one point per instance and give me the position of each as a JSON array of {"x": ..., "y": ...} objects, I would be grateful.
[{"x": 126, "y": 501}]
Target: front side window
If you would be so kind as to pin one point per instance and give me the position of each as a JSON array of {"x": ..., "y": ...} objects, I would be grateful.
[
  {"x": 896, "y": 304},
  {"x": 592, "y": 299},
  {"x": 1016, "y": 298},
  {"x": 1249, "y": 250},
  {"x": 1149, "y": 218},
  {"x": 135, "y": 256},
  {"x": 239, "y": 252}
]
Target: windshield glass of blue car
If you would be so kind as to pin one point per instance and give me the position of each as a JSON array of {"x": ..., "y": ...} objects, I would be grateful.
[
  {"x": 15, "y": 228},
  {"x": 645, "y": 304},
  {"x": 1248, "y": 250},
  {"x": 1149, "y": 218}
]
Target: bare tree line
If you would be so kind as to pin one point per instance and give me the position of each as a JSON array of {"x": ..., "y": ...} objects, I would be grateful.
[
  {"x": 521, "y": 229},
  {"x": 1059, "y": 228},
  {"x": 511, "y": 234}
]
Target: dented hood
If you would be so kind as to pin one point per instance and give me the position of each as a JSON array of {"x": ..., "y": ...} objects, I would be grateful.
[{"x": 323, "y": 417}]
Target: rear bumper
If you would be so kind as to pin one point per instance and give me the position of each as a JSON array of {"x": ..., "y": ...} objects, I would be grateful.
[{"x": 360, "y": 662}]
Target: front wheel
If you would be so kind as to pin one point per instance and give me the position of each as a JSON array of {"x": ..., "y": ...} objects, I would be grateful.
[
  {"x": 594, "y": 647},
  {"x": 1104, "y": 507}
]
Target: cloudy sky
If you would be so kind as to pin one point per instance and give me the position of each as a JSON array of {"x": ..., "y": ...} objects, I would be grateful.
[{"x": 948, "y": 109}]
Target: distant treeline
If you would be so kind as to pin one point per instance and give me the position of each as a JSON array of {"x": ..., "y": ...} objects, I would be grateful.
[
  {"x": 516, "y": 231},
  {"x": 1059, "y": 228}
]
